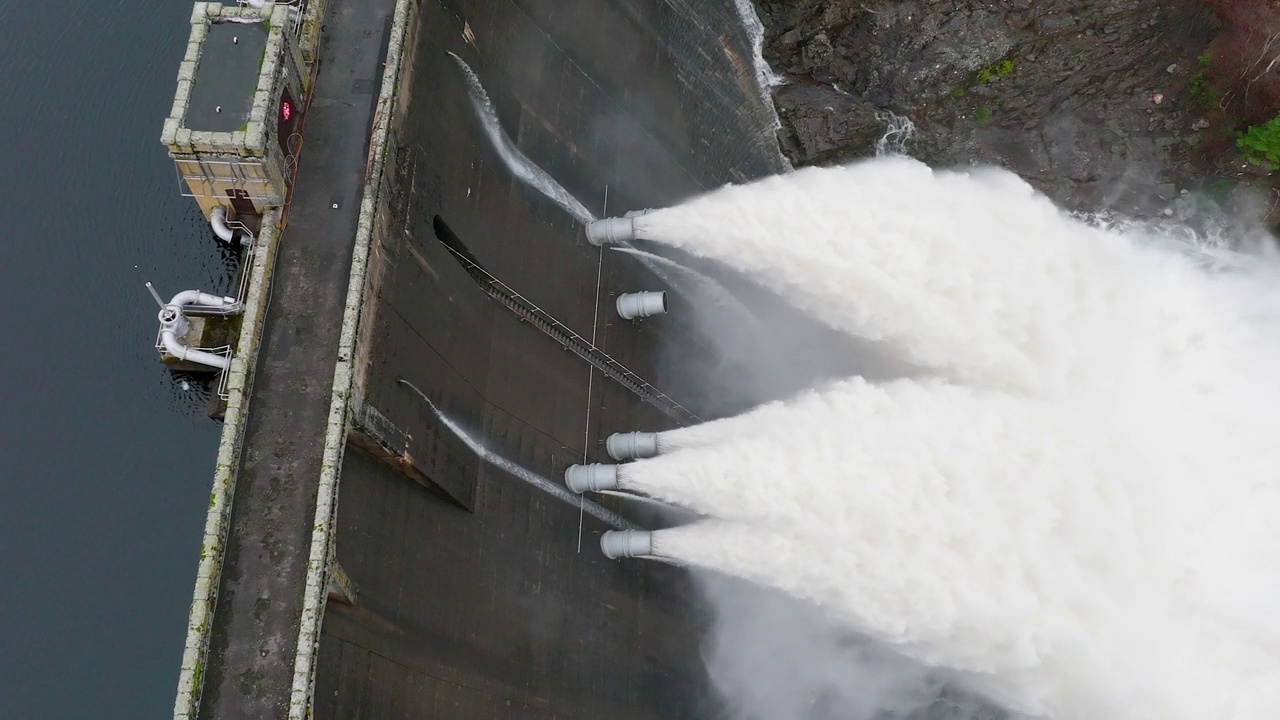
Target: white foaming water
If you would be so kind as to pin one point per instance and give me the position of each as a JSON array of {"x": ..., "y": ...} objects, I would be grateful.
[
  {"x": 969, "y": 273},
  {"x": 522, "y": 473},
  {"x": 898, "y": 131},
  {"x": 766, "y": 78},
  {"x": 1078, "y": 516},
  {"x": 522, "y": 167}
]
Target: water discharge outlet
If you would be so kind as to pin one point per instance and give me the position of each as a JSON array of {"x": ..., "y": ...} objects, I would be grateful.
[
  {"x": 631, "y": 446},
  {"x": 591, "y": 478},
  {"x": 611, "y": 231},
  {"x": 616, "y": 544},
  {"x": 641, "y": 304}
]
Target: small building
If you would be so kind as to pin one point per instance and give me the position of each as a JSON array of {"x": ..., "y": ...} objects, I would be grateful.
[{"x": 234, "y": 129}]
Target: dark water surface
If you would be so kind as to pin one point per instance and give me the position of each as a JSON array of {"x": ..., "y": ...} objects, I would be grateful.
[{"x": 105, "y": 460}]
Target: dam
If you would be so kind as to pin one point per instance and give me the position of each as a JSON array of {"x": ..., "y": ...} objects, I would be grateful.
[{"x": 404, "y": 288}]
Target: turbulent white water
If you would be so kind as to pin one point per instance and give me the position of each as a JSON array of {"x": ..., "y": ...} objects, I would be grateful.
[
  {"x": 1078, "y": 515},
  {"x": 766, "y": 78},
  {"x": 520, "y": 166},
  {"x": 520, "y": 472},
  {"x": 898, "y": 132}
]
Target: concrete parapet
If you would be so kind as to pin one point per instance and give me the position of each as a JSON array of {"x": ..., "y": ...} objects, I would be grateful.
[
  {"x": 218, "y": 519},
  {"x": 321, "y": 556}
]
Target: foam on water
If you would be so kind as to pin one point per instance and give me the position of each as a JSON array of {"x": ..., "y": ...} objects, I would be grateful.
[
  {"x": 520, "y": 166},
  {"x": 1078, "y": 515}
]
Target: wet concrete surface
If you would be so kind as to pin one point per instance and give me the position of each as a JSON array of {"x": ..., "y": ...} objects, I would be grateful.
[
  {"x": 510, "y": 610},
  {"x": 249, "y": 672}
]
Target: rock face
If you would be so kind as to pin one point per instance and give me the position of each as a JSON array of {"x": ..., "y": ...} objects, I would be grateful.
[{"x": 1086, "y": 99}]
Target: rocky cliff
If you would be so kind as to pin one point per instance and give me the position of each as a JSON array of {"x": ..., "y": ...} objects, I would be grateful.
[{"x": 1116, "y": 104}]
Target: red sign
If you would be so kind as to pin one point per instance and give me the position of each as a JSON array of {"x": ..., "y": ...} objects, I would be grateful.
[{"x": 286, "y": 110}]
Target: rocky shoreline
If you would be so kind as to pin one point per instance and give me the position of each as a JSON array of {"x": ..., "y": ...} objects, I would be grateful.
[{"x": 1124, "y": 105}]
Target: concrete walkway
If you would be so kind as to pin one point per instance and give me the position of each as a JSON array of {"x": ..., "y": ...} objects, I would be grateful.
[{"x": 249, "y": 671}]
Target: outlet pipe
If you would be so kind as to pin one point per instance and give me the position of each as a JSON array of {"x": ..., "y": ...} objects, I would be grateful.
[
  {"x": 206, "y": 303},
  {"x": 173, "y": 325},
  {"x": 641, "y": 304},
  {"x": 631, "y": 446},
  {"x": 617, "y": 544},
  {"x": 591, "y": 478},
  {"x": 218, "y": 219},
  {"x": 616, "y": 231}
]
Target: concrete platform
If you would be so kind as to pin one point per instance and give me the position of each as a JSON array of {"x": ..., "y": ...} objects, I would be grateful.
[{"x": 249, "y": 671}]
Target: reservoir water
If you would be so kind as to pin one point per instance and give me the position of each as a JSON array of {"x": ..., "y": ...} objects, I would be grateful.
[{"x": 106, "y": 459}]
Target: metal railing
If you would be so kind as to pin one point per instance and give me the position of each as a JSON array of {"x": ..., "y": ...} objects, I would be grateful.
[
  {"x": 256, "y": 187},
  {"x": 527, "y": 311},
  {"x": 301, "y": 5}
]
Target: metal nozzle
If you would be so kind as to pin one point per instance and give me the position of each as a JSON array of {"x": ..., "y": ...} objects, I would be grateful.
[
  {"x": 617, "y": 544},
  {"x": 591, "y": 478},
  {"x": 641, "y": 304},
  {"x": 611, "y": 231},
  {"x": 631, "y": 446}
]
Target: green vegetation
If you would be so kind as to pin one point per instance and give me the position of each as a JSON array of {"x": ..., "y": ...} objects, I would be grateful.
[
  {"x": 1198, "y": 83},
  {"x": 982, "y": 114},
  {"x": 1198, "y": 88},
  {"x": 1261, "y": 144},
  {"x": 995, "y": 70},
  {"x": 957, "y": 92}
]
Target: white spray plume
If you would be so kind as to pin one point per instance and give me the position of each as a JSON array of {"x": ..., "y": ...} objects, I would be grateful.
[
  {"x": 520, "y": 166},
  {"x": 1078, "y": 516}
]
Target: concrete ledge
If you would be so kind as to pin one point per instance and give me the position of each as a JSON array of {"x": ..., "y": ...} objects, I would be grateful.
[
  {"x": 218, "y": 520},
  {"x": 321, "y": 555}
]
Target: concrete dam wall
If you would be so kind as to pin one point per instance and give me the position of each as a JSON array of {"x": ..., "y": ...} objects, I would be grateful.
[{"x": 480, "y": 595}]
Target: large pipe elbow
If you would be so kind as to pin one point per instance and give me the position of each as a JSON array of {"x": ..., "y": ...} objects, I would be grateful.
[
  {"x": 631, "y": 446},
  {"x": 617, "y": 544},
  {"x": 204, "y": 301},
  {"x": 591, "y": 478},
  {"x": 611, "y": 231},
  {"x": 218, "y": 219},
  {"x": 182, "y": 352},
  {"x": 641, "y": 304}
]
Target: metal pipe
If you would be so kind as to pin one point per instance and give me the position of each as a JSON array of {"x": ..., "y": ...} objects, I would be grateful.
[
  {"x": 617, "y": 231},
  {"x": 641, "y": 304},
  {"x": 196, "y": 300},
  {"x": 631, "y": 446},
  {"x": 218, "y": 219},
  {"x": 617, "y": 544},
  {"x": 173, "y": 324},
  {"x": 591, "y": 478}
]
